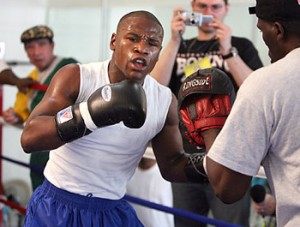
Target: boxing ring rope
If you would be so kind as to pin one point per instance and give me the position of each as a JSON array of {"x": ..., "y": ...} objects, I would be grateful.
[
  {"x": 39, "y": 87},
  {"x": 129, "y": 198},
  {"x": 1, "y": 107},
  {"x": 1, "y": 185},
  {"x": 178, "y": 212},
  {"x": 13, "y": 205}
]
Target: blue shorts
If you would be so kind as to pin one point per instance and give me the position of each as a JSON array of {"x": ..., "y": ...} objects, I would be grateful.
[{"x": 51, "y": 206}]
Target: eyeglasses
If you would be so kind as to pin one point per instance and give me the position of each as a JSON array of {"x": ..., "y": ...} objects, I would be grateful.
[{"x": 214, "y": 8}]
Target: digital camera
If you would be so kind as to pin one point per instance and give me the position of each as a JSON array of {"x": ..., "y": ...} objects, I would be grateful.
[{"x": 196, "y": 19}]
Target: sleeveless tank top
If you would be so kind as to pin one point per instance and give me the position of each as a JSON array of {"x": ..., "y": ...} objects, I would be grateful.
[{"x": 101, "y": 163}]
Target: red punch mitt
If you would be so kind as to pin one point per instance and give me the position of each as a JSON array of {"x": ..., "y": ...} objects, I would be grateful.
[{"x": 204, "y": 101}]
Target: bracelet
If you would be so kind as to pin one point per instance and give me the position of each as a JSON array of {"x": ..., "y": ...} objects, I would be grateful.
[{"x": 233, "y": 53}]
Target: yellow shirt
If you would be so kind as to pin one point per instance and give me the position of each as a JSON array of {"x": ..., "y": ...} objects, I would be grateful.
[{"x": 21, "y": 103}]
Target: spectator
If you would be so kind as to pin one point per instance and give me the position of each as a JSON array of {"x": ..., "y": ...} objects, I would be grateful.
[{"x": 39, "y": 47}]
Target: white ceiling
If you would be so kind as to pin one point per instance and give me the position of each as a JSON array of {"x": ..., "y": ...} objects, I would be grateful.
[{"x": 112, "y": 3}]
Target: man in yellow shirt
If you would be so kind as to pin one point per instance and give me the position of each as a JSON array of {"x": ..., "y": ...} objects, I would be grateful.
[{"x": 39, "y": 46}]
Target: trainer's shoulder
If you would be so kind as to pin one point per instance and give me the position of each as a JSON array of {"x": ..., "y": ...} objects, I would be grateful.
[{"x": 259, "y": 82}]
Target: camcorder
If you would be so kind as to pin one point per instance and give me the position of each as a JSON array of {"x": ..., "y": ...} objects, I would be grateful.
[{"x": 196, "y": 19}]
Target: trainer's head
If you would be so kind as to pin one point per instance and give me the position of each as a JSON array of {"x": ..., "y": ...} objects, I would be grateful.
[
  {"x": 279, "y": 21},
  {"x": 39, "y": 45},
  {"x": 136, "y": 46}
]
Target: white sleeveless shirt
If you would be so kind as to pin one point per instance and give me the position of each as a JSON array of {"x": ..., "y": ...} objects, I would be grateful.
[{"x": 102, "y": 162}]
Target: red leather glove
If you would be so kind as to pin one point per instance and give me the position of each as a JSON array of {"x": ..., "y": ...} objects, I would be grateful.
[{"x": 202, "y": 112}]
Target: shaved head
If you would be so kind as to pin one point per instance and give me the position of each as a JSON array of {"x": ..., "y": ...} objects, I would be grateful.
[{"x": 140, "y": 13}]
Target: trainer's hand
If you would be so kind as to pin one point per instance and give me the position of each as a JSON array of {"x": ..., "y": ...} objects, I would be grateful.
[
  {"x": 204, "y": 102},
  {"x": 203, "y": 112},
  {"x": 212, "y": 111}
]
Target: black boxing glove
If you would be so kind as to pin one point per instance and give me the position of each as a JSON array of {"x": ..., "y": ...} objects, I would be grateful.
[{"x": 124, "y": 101}]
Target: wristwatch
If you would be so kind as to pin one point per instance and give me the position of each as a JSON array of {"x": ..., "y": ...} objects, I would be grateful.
[{"x": 233, "y": 52}]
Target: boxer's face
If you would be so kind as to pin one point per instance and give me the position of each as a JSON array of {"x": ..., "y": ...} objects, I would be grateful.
[
  {"x": 136, "y": 47},
  {"x": 40, "y": 53}
]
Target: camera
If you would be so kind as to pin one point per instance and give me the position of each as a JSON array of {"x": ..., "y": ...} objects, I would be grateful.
[{"x": 196, "y": 19}]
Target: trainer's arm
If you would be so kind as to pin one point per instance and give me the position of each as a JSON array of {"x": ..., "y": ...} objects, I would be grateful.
[
  {"x": 40, "y": 131},
  {"x": 228, "y": 185},
  {"x": 168, "y": 148}
]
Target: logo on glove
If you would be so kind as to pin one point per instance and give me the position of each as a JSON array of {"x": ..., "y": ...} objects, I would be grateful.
[
  {"x": 206, "y": 81},
  {"x": 106, "y": 93},
  {"x": 202, "y": 84}
]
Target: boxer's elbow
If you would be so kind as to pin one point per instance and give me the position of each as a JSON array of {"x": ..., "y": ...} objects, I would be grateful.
[
  {"x": 30, "y": 138},
  {"x": 27, "y": 142},
  {"x": 167, "y": 175}
]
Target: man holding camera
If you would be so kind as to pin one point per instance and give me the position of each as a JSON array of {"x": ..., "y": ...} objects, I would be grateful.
[{"x": 213, "y": 47}]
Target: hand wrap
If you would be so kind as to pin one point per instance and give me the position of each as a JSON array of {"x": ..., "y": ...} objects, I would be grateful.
[{"x": 194, "y": 169}]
